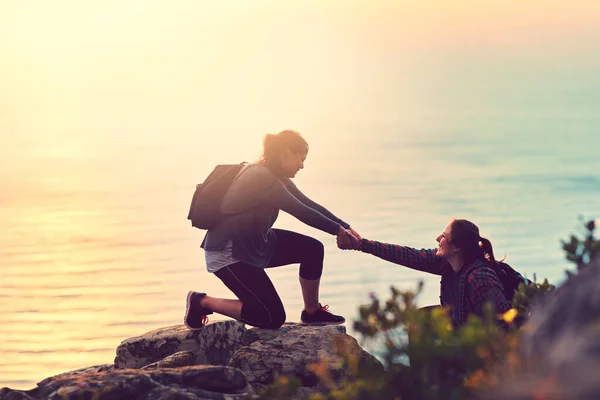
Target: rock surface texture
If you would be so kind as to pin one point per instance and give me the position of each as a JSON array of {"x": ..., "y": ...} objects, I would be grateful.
[
  {"x": 197, "y": 382},
  {"x": 224, "y": 360}
]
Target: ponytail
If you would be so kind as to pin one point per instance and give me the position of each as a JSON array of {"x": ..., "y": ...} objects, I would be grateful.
[
  {"x": 276, "y": 144},
  {"x": 465, "y": 236},
  {"x": 269, "y": 147},
  {"x": 487, "y": 250}
]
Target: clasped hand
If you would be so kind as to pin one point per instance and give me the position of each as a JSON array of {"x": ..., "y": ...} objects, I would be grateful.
[{"x": 348, "y": 239}]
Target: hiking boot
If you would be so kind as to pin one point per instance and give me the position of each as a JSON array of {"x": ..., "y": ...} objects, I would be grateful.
[
  {"x": 321, "y": 317},
  {"x": 195, "y": 315}
]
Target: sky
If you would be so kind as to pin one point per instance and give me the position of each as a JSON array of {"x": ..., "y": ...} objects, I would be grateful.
[
  {"x": 112, "y": 67},
  {"x": 104, "y": 101}
]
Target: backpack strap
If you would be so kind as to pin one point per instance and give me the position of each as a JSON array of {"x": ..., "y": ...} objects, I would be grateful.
[{"x": 245, "y": 166}]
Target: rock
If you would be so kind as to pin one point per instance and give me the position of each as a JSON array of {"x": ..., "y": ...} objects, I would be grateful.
[
  {"x": 560, "y": 346},
  {"x": 214, "y": 344},
  {"x": 196, "y": 382},
  {"x": 293, "y": 348},
  {"x": 261, "y": 354},
  {"x": 179, "y": 359},
  {"x": 9, "y": 394},
  {"x": 224, "y": 359},
  {"x": 95, "y": 368}
]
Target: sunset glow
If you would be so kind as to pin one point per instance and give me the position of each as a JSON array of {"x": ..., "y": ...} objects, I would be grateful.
[{"x": 111, "y": 111}]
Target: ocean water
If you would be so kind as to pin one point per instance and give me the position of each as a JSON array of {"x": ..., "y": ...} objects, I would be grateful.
[
  {"x": 97, "y": 249},
  {"x": 415, "y": 113}
]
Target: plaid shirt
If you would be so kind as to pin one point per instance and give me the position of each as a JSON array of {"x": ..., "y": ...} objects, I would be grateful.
[{"x": 479, "y": 283}]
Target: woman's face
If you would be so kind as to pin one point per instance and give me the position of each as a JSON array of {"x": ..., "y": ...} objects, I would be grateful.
[
  {"x": 292, "y": 162},
  {"x": 445, "y": 248}
]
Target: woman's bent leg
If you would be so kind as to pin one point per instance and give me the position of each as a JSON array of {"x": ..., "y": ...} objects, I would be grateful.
[
  {"x": 229, "y": 307},
  {"x": 259, "y": 304},
  {"x": 295, "y": 248},
  {"x": 310, "y": 293}
]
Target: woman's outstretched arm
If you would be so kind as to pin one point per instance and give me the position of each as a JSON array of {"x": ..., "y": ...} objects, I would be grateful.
[
  {"x": 421, "y": 260},
  {"x": 293, "y": 189},
  {"x": 282, "y": 199}
]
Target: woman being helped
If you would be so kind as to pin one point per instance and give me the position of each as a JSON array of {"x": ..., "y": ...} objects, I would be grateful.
[
  {"x": 465, "y": 261},
  {"x": 243, "y": 243}
]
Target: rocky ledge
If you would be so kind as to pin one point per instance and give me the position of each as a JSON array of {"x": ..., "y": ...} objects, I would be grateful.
[{"x": 224, "y": 360}]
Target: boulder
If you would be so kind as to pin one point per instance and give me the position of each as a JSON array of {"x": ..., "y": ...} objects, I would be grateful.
[
  {"x": 95, "y": 368},
  {"x": 221, "y": 360},
  {"x": 179, "y": 359},
  {"x": 560, "y": 345},
  {"x": 261, "y": 354},
  {"x": 196, "y": 382},
  {"x": 294, "y": 350},
  {"x": 9, "y": 394},
  {"x": 213, "y": 345}
]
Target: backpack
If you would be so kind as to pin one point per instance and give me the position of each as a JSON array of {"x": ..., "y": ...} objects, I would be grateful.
[
  {"x": 510, "y": 279},
  {"x": 205, "y": 209}
]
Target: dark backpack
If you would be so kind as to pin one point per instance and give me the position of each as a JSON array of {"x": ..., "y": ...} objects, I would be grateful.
[
  {"x": 205, "y": 210},
  {"x": 509, "y": 278}
]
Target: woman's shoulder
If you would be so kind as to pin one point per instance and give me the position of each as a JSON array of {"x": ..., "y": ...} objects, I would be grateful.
[
  {"x": 261, "y": 169},
  {"x": 257, "y": 171},
  {"x": 256, "y": 178},
  {"x": 480, "y": 269}
]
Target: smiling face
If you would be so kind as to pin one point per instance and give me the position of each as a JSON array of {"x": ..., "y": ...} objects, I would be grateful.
[
  {"x": 292, "y": 162},
  {"x": 445, "y": 247}
]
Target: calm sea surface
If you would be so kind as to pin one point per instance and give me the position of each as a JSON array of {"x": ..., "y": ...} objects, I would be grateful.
[
  {"x": 111, "y": 112},
  {"x": 96, "y": 248}
]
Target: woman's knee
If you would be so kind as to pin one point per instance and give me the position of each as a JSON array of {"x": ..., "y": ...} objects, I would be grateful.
[
  {"x": 317, "y": 248},
  {"x": 311, "y": 266},
  {"x": 277, "y": 320},
  {"x": 262, "y": 316},
  {"x": 314, "y": 251}
]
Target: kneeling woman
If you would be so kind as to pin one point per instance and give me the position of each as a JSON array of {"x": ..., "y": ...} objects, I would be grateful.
[{"x": 243, "y": 244}]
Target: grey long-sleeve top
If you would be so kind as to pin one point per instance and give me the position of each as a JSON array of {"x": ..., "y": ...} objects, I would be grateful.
[{"x": 252, "y": 206}]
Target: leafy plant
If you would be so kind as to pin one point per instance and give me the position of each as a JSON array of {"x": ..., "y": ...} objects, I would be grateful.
[
  {"x": 582, "y": 250},
  {"x": 425, "y": 357},
  {"x": 527, "y": 295}
]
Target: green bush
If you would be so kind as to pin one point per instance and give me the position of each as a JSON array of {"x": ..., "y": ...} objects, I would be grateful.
[{"x": 582, "y": 251}]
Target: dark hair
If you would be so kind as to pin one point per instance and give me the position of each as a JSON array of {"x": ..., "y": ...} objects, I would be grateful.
[
  {"x": 465, "y": 236},
  {"x": 276, "y": 144}
]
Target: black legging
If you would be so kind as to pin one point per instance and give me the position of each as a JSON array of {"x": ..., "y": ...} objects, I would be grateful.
[{"x": 262, "y": 306}]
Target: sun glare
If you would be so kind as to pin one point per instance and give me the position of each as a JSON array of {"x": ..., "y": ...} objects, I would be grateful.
[{"x": 111, "y": 111}]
